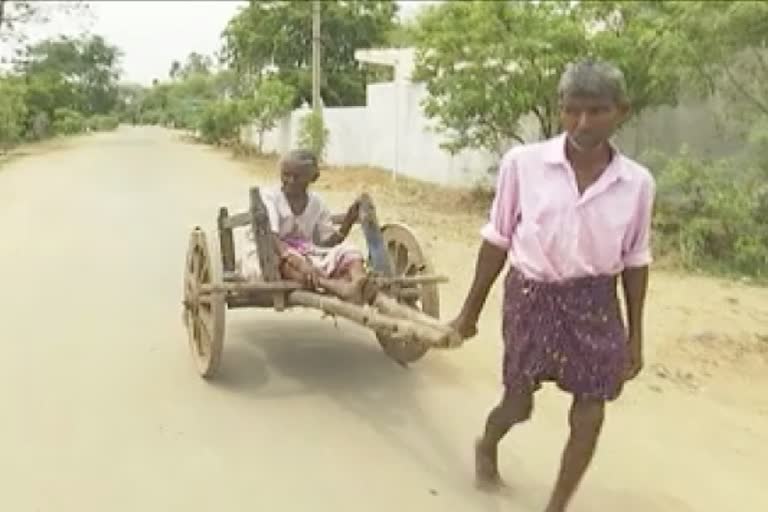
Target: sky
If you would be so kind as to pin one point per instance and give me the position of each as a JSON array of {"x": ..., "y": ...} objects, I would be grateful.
[{"x": 140, "y": 29}]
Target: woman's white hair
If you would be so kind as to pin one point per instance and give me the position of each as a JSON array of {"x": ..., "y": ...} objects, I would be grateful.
[{"x": 300, "y": 157}]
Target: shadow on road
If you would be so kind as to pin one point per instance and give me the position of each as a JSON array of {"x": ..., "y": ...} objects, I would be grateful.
[{"x": 271, "y": 356}]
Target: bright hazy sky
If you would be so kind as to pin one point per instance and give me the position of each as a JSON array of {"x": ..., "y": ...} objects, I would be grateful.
[{"x": 153, "y": 33}]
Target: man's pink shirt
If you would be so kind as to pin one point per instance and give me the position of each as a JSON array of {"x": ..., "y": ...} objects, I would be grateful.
[{"x": 552, "y": 233}]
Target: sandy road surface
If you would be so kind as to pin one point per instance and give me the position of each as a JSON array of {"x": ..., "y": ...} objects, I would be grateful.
[{"x": 102, "y": 410}]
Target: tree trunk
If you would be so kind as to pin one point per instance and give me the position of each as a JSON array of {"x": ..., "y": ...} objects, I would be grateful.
[{"x": 2, "y": 11}]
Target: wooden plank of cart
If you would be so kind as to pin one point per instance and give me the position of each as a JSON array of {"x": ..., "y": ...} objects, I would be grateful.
[{"x": 404, "y": 315}]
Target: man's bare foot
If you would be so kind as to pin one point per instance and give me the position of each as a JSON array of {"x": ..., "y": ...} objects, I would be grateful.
[{"x": 486, "y": 468}]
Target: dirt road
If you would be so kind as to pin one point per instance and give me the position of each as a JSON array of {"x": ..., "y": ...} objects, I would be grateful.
[{"x": 102, "y": 409}]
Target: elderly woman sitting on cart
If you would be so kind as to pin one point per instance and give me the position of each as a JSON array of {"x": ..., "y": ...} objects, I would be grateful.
[{"x": 311, "y": 249}]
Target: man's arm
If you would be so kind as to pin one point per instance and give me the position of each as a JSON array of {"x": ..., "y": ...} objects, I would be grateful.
[
  {"x": 497, "y": 239},
  {"x": 634, "y": 278},
  {"x": 490, "y": 262},
  {"x": 637, "y": 257},
  {"x": 635, "y": 284}
]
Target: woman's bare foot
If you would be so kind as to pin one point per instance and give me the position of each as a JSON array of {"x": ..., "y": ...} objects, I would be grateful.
[
  {"x": 352, "y": 291},
  {"x": 486, "y": 468},
  {"x": 356, "y": 291},
  {"x": 361, "y": 290}
]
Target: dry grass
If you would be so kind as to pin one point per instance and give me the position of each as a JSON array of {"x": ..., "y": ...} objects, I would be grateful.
[
  {"x": 41, "y": 147},
  {"x": 454, "y": 212}
]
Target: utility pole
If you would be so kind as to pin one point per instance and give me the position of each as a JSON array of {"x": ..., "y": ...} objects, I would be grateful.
[{"x": 316, "y": 56}]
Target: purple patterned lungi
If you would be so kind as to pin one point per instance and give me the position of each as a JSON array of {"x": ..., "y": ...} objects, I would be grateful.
[{"x": 570, "y": 332}]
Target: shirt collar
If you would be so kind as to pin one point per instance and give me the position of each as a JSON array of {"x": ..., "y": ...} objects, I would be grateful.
[{"x": 554, "y": 153}]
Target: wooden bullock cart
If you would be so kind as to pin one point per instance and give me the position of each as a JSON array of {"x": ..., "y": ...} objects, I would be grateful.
[{"x": 404, "y": 315}]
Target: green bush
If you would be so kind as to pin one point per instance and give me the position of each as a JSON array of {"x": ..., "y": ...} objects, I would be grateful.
[
  {"x": 711, "y": 215},
  {"x": 154, "y": 117},
  {"x": 220, "y": 122},
  {"x": 68, "y": 122},
  {"x": 313, "y": 134},
  {"x": 757, "y": 145},
  {"x": 13, "y": 112},
  {"x": 101, "y": 123},
  {"x": 39, "y": 126}
]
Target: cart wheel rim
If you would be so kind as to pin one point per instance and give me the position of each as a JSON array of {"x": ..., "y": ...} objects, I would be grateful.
[
  {"x": 408, "y": 259},
  {"x": 400, "y": 350},
  {"x": 204, "y": 319}
]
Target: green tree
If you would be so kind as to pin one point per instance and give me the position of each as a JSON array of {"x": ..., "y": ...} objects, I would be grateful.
[
  {"x": 313, "y": 134},
  {"x": 175, "y": 70},
  {"x": 130, "y": 98},
  {"x": 98, "y": 76},
  {"x": 403, "y": 34},
  {"x": 271, "y": 101},
  {"x": 726, "y": 52},
  {"x": 489, "y": 65},
  {"x": 277, "y": 35},
  {"x": 644, "y": 38},
  {"x": 16, "y": 15},
  {"x": 13, "y": 111},
  {"x": 79, "y": 74},
  {"x": 196, "y": 64},
  {"x": 221, "y": 121}
]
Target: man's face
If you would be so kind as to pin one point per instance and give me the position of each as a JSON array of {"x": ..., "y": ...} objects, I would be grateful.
[
  {"x": 590, "y": 121},
  {"x": 296, "y": 177}
]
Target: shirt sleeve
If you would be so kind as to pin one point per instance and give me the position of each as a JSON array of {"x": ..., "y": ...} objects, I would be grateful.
[
  {"x": 505, "y": 207},
  {"x": 637, "y": 243}
]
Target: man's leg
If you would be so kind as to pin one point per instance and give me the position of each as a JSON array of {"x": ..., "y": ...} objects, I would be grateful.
[
  {"x": 515, "y": 407},
  {"x": 586, "y": 421}
]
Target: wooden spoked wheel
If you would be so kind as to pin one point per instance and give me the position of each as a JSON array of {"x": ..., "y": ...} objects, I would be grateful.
[
  {"x": 409, "y": 260},
  {"x": 204, "y": 315}
]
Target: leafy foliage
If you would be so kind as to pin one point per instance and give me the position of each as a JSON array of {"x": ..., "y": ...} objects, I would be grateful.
[
  {"x": 488, "y": 65},
  {"x": 196, "y": 64},
  {"x": 313, "y": 134},
  {"x": 13, "y": 111},
  {"x": 271, "y": 100},
  {"x": 277, "y": 36},
  {"x": 102, "y": 123},
  {"x": 17, "y": 15},
  {"x": 710, "y": 218},
  {"x": 214, "y": 103},
  {"x": 75, "y": 74},
  {"x": 68, "y": 122},
  {"x": 59, "y": 86},
  {"x": 726, "y": 52},
  {"x": 221, "y": 121}
]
